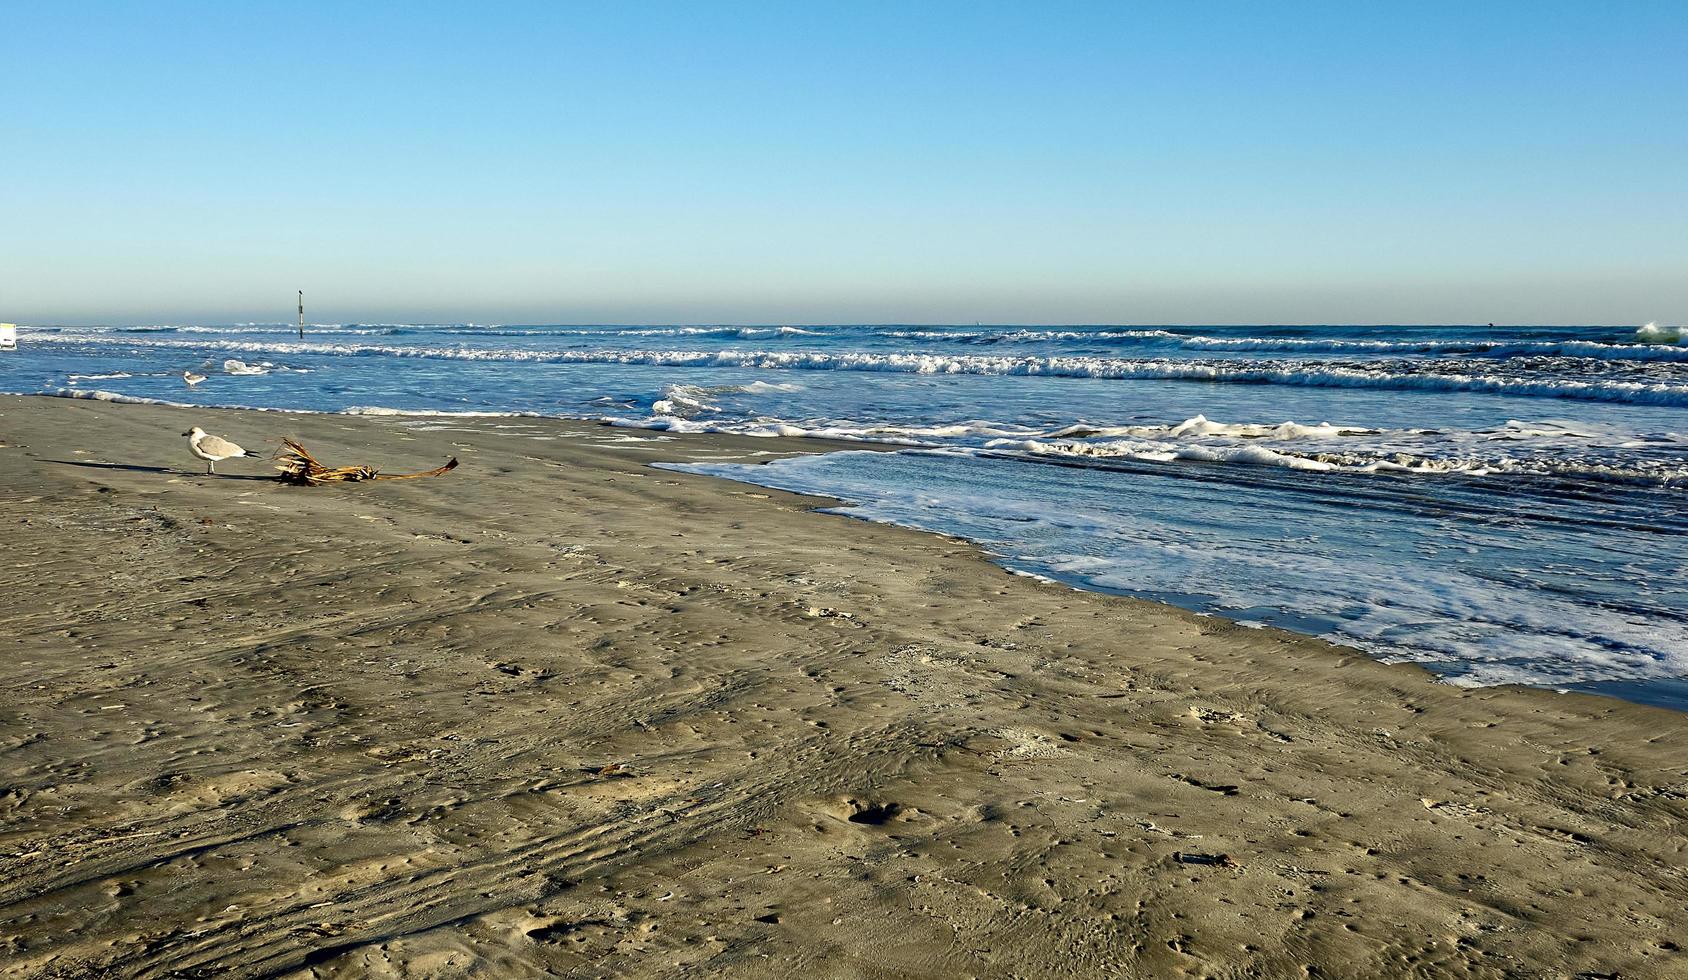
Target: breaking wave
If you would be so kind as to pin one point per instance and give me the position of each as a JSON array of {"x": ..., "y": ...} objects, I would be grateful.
[
  {"x": 1329, "y": 374},
  {"x": 1650, "y": 345},
  {"x": 1652, "y": 333}
]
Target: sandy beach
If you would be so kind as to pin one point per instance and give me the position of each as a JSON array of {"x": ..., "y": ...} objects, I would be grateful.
[{"x": 559, "y": 713}]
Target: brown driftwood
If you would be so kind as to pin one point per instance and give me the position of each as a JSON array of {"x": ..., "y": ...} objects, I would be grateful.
[{"x": 299, "y": 467}]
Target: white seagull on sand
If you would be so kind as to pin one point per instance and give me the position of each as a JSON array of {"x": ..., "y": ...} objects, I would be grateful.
[
  {"x": 191, "y": 378},
  {"x": 213, "y": 448}
]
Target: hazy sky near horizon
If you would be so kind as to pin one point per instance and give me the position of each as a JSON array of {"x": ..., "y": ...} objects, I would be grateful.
[{"x": 864, "y": 162}]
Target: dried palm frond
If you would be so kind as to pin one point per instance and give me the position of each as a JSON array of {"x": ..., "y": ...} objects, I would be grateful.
[{"x": 299, "y": 467}]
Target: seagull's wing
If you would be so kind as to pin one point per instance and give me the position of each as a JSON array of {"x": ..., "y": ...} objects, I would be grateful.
[{"x": 220, "y": 447}]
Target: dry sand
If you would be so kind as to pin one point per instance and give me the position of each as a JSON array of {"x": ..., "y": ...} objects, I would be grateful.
[{"x": 562, "y": 714}]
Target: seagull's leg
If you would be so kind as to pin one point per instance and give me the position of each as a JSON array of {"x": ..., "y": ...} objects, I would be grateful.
[{"x": 211, "y": 467}]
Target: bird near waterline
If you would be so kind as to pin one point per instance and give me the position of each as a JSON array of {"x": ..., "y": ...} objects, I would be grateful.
[
  {"x": 213, "y": 449},
  {"x": 191, "y": 378}
]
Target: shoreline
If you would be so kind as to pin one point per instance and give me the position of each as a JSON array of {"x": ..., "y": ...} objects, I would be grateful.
[
  {"x": 1670, "y": 693},
  {"x": 661, "y": 682}
]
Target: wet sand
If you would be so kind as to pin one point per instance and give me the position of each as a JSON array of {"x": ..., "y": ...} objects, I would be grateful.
[{"x": 558, "y": 713}]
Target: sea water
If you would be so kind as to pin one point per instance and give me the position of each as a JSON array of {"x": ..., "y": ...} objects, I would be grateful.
[{"x": 1502, "y": 505}]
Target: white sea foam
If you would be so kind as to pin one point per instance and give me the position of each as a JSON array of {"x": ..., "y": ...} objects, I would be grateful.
[
  {"x": 725, "y": 331},
  {"x": 744, "y": 333},
  {"x": 923, "y": 436},
  {"x": 95, "y": 394},
  {"x": 233, "y": 366},
  {"x": 1647, "y": 351},
  {"x": 1312, "y": 374},
  {"x": 117, "y": 397},
  {"x": 1201, "y": 425},
  {"x": 1403, "y": 451},
  {"x": 1374, "y": 461},
  {"x": 1027, "y": 336},
  {"x": 100, "y": 395},
  {"x": 689, "y": 399},
  {"x": 1151, "y": 451},
  {"x": 1652, "y": 345},
  {"x": 383, "y": 411},
  {"x": 682, "y": 400},
  {"x": 1318, "y": 448}
]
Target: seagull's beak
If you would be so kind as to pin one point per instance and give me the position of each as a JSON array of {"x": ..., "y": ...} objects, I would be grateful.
[{"x": 187, "y": 433}]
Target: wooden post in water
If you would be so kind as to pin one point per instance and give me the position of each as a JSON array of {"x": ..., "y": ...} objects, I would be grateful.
[{"x": 301, "y": 314}]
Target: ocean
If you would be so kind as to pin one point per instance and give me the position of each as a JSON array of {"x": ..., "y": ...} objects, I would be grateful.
[{"x": 1501, "y": 505}]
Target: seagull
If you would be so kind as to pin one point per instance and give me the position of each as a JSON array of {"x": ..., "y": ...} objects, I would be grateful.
[
  {"x": 213, "y": 448},
  {"x": 191, "y": 378}
]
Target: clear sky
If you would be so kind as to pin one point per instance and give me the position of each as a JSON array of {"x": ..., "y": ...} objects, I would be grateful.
[{"x": 1107, "y": 162}]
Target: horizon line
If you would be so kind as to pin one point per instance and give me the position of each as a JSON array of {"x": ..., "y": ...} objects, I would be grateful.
[{"x": 841, "y": 323}]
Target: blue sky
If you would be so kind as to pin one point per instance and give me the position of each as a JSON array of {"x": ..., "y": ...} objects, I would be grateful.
[{"x": 920, "y": 162}]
